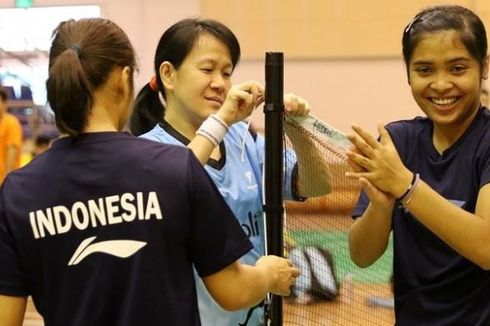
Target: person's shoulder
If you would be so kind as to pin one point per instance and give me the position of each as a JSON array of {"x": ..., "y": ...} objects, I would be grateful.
[
  {"x": 153, "y": 134},
  {"x": 18, "y": 178},
  {"x": 119, "y": 145},
  {"x": 485, "y": 115},
  {"x": 483, "y": 126},
  {"x": 146, "y": 146},
  {"x": 408, "y": 125}
]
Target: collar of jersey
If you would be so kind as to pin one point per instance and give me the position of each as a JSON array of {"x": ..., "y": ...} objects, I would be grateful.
[{"x": 218, "y": 165}]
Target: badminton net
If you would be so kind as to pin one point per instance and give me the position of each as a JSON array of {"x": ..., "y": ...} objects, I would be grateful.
[{"x": 331, "y": 289}]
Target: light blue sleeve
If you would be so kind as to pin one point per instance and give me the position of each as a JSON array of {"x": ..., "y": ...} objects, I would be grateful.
[{"x": 152, "y": 134}]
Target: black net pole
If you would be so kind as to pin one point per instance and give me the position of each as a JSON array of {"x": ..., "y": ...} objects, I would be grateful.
[{"x": 274, "y": 211}]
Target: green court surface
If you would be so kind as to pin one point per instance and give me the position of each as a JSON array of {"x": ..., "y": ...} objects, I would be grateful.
[{"x": 337, "y": 243}]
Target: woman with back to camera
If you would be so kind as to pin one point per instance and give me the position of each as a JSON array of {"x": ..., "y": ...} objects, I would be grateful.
[
  {"x": 104, "y": 228},
  {"x": 194, "y": 63},
  {"x": 428, "y": 179}
]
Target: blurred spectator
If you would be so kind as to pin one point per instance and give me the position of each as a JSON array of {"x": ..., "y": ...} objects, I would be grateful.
[
  {"x": 10, "y": 139},
  {"x": 41, "y": 143}
]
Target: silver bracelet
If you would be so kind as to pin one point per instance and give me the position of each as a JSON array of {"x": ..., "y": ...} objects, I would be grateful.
[{"x": 407, "y": 197}]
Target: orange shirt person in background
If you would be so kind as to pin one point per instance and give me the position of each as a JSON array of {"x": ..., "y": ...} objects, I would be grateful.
[{"x": 10, "y": 139}]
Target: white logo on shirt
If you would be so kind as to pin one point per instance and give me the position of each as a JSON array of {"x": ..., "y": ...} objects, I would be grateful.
[
  {"x": 118, "y": 248},
  {"x": 458, "y": 203},
  {"x": 98, "y": 212},
  {"x": 251, "y": 185}
]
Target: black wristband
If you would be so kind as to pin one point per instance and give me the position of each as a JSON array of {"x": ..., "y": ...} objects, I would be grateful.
[{"x": 409, "y": 188}]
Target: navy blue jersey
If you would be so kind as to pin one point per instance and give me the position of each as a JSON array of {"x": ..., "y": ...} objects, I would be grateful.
[
  {"x": 105, "y": 229},
  {"x": 434, "y": 285}
]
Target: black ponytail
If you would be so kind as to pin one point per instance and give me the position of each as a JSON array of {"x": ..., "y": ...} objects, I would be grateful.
[
  {"x": 69, "y": 93},
  {"x": 83, "y": 54},
  {"x": 148, "y": 110}
]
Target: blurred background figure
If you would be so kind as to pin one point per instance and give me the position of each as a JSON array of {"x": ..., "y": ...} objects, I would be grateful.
[
  {"x": 10, "y": 139},
  {"x": 39, "y": 145}
]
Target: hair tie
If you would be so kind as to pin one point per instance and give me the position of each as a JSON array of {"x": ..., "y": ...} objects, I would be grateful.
[
  {"x": 412, "y": 22},
  {"x": 76, "y": 48},
  {"x": 154, "y": 84}
]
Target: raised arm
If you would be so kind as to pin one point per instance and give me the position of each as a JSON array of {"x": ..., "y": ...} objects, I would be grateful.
[
  {"x": 465, "y": 232},
  {"x": 313, "y": 173},
  {"x": 240, "y": 102},
  {"x": 370, "y": 233}
]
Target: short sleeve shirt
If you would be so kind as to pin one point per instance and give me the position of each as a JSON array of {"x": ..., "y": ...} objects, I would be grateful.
[
  {"x": 105, "y": 229},
  {"x": 434, "y": 285}
]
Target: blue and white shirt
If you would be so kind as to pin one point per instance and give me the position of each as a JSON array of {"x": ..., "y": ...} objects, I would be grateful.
[{"x": 239, "y": 180}]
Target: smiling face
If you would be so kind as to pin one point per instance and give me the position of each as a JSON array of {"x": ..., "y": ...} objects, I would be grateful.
[
  {"x": 199, "y": 86},
  {"x": 446, "y": 80}
]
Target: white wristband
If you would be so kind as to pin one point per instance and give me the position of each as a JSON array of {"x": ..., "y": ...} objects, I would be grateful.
[{"x": 213, "y": 129}]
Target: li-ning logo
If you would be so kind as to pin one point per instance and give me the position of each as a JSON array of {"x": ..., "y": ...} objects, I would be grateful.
[
  {"x": 250, "y": 185},
  {"x": 118, "y": 248}
]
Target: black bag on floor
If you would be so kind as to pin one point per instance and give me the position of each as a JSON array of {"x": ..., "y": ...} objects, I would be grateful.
[{"x": 318, "y": 281}]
